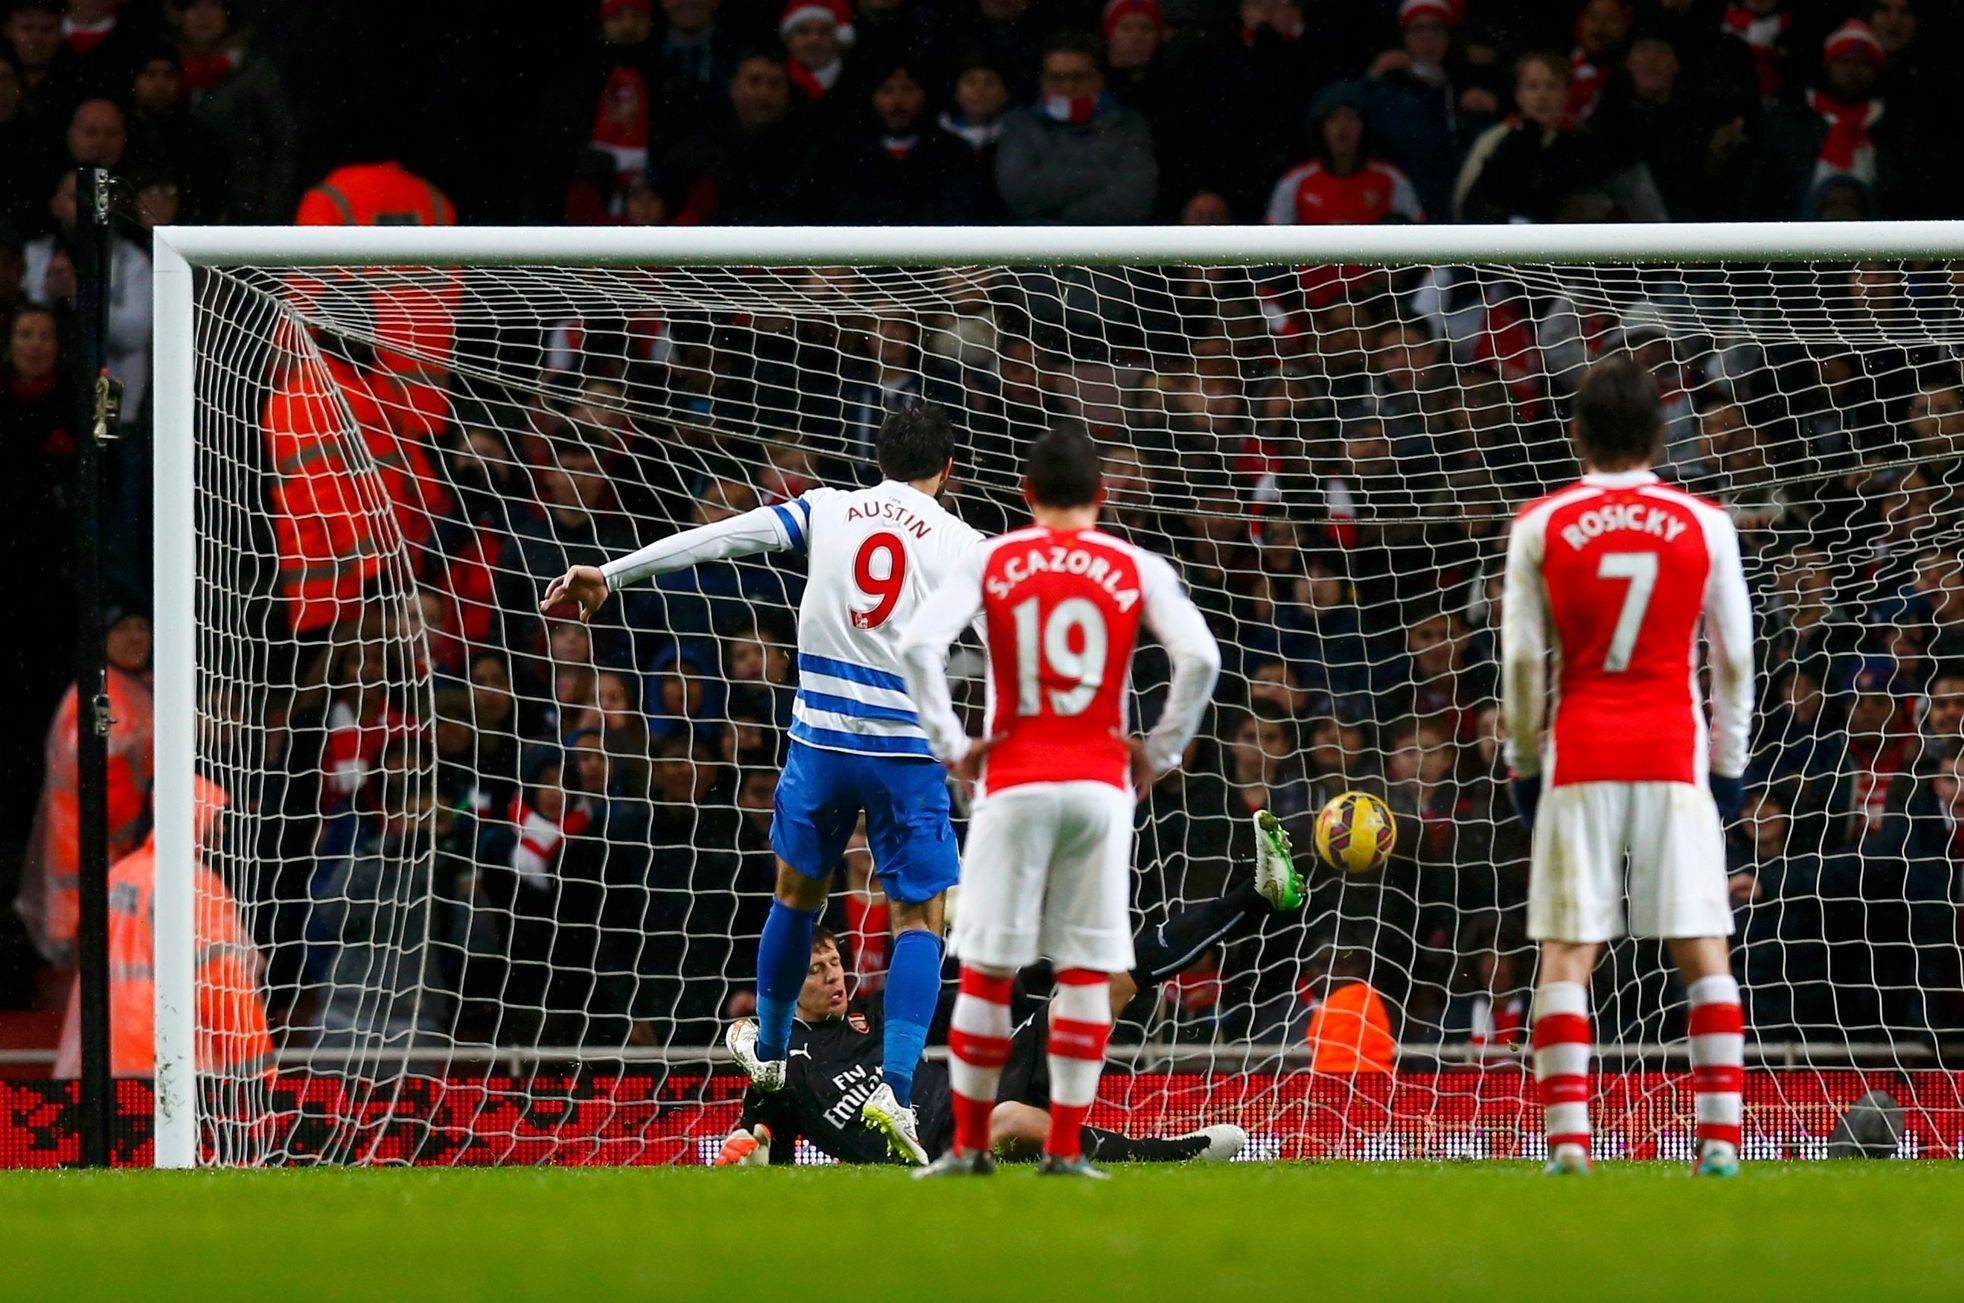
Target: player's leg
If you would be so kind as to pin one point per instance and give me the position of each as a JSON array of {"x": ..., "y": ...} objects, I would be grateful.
[
  {"x": 1017, "y": 1130},
  {"x": 1678, "y": 892},
  {"x": 1009, "y": 846},
  {"x": 913, "y": 990},
  {"x": 1087, "y": 934},
  {"x": 809, "y": 830},
  {"x": 1575, "y": 892},
  {"x": 913, "y": 842},
  {"x": 1170, "y": 947}
]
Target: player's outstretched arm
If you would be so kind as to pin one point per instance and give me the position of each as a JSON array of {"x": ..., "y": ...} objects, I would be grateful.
[
  {"x": 924, "y": 646},
  {"x": 784, "y": 527},
  {"x": 1172, "y": 618}
]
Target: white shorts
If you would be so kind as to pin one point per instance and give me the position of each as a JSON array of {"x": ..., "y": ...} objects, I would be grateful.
[
  {"x": 1676, "y": 848},
  {"x": 1047, "y": 873}
]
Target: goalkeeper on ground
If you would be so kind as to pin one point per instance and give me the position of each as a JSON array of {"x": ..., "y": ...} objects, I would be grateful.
[{"x": 835, "y": 1054}]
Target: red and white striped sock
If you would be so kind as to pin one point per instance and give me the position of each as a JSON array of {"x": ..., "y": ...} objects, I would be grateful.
[
  {"x": 1718, "y": 1059},
  {"x": 978, "y": 1046},
  {"x": 1080, "y": 1025},
  {"x": 1561, "y": 1061}
]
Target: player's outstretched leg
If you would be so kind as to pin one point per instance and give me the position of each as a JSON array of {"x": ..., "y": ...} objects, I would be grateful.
[
  {"x": 1215, "y": 1144},
  {"x": 1561, "y": 1072},
  {"x": 978, "y": 1047},
  {"x": 1275, "y": 866},
  {"x": 784, "y": 955},
  {"x": 1718, "y": 1072},
  {"x": 1080, "y": 1026}
]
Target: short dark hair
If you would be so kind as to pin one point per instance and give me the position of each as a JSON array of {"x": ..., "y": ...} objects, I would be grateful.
[
  {"x": 1064, "y": 468},
  {"x": 1619, "y": 419},
  {"x": 915, "y": 443},
  {"x": 1074, "y": 42}
]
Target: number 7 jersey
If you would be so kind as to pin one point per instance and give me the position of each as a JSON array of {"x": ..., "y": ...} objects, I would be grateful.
[{"x": 1611, "y": 579}]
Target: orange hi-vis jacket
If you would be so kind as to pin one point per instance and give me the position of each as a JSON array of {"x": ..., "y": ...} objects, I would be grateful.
[
  {"x": 1349, "y": 1031},
  {"x": 324, "y": 516},
  {"x": 233, "y": 1038},
  {"x": 50, "y": 901},
  {"x": 415, "y": 308}
]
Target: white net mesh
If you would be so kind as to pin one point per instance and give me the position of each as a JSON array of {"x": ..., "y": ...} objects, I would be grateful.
[{"x": 506, "y": 875}]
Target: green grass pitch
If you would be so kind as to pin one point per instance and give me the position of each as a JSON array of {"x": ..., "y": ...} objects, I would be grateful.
[{"x": 1325, "y": 1232}]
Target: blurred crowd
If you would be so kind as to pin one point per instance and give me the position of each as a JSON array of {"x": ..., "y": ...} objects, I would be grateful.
[{"x": 575, "y": 818}]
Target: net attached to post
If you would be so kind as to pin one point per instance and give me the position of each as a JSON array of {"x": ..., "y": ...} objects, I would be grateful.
[{"x": 505, "y": 874}]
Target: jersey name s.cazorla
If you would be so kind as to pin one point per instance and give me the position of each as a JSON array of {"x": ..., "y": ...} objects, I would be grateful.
[{"x": 1063, "y": 610}]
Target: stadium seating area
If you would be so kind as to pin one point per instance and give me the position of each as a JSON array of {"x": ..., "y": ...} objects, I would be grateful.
[{"x": 1299, "y": 454}]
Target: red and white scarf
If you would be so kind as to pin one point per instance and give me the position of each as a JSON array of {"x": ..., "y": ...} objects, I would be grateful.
[
  {"x": 539, "y": 840},
  {"x": 1762, "y": 34},
  {"x": 1847, "y": 149}
]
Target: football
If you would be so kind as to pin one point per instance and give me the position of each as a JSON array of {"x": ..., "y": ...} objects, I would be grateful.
[{"x": 1355, "y": 832}]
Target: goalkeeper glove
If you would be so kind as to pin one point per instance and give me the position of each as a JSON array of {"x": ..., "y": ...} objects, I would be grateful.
[
  {"x": 1526, "y": 793},
  {"x": 1729, "y": 795},
  {"x": 746, "y": 1148}
]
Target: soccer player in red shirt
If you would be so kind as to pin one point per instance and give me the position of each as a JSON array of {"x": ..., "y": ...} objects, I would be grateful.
[
  {"x": 1612, "y": 578},
  {"x": 1049, "y": 855}
]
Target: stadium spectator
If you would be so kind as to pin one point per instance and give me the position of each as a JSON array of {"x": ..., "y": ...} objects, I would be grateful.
[
  {"x": 164, "y": 137},
  {"x": 1078, "y": 156},
  {"x": 1843, "y": 132},
  {"x": 1350, "y": 1023},
  {"x": 1762, "y": 30},
  {"x": 1601, "y": 29},
  {"x": 816, "y": 35},
  {"x": 46, "y": 70},
  {"x": 48, "y": 275},
  {"x": 900, "y": 171},
  {"x": 1775, "y": 881},
  {"x": 49, "y": 901},
  {"x": 608, "y": 119},
  {"x": 977, "y": 113},
  {"x": 233, "y": 1040},
  {"x": 766, "y": 167},
  {"x": 1005, "y": 33},
  {"x": 1528, "y": 167},
  {"x": 1684, "y": 137},
  {"x": 1343, "y": 184},
  {"x": 23, "y": 160},
  {"x": 237, "y": 93},
  {"x": 40, "y": 406},
  {"x": 1912, "y": 893},
  {"x": 695, "y": 47},
  {"x": 1425, "y": 102}
]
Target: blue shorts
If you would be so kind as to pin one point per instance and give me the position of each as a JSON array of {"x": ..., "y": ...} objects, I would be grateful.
[{"x": 821, "y": 795}]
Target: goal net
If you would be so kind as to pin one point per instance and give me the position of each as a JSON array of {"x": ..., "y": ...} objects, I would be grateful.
[{"x": 501, "y": 876}]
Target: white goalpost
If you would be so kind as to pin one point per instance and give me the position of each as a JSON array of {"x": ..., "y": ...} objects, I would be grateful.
[{"x": 443, "y": 879}]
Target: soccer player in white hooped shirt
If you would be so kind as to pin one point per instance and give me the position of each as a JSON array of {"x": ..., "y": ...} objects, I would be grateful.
[
  {"x": 1611, "y": 578},
  {"x": 1049, "y": 856},
  {"x": 856, "y": 744}
]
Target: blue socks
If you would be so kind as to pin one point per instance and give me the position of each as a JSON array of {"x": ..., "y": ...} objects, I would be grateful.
[
  {"x": 913, "y": 990},
  {"x": 784, "y": 955}
]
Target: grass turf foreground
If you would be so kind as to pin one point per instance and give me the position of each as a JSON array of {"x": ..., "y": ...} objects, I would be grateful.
[{"x": 1245, "y": 1231}]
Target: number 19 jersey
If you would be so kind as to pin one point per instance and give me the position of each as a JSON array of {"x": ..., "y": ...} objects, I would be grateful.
[
  {"x": 1613, "y": 577},
  {"x": 874, "y": 556}
]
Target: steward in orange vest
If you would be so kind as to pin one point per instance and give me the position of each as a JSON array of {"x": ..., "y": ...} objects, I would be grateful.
[
  {"x": 50, "y": 902},
  {"x": 1350, "y": 1032},
  {"x": 232, "y": 1036}
]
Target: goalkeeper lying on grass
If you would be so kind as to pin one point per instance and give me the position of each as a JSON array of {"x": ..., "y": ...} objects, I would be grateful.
[{"x": 835, "y": 1056}]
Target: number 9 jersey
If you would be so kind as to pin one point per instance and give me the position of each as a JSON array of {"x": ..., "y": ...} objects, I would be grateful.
[
  {"x": 1612, "y": 578},
  {"x": 875, "y": 555}
]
